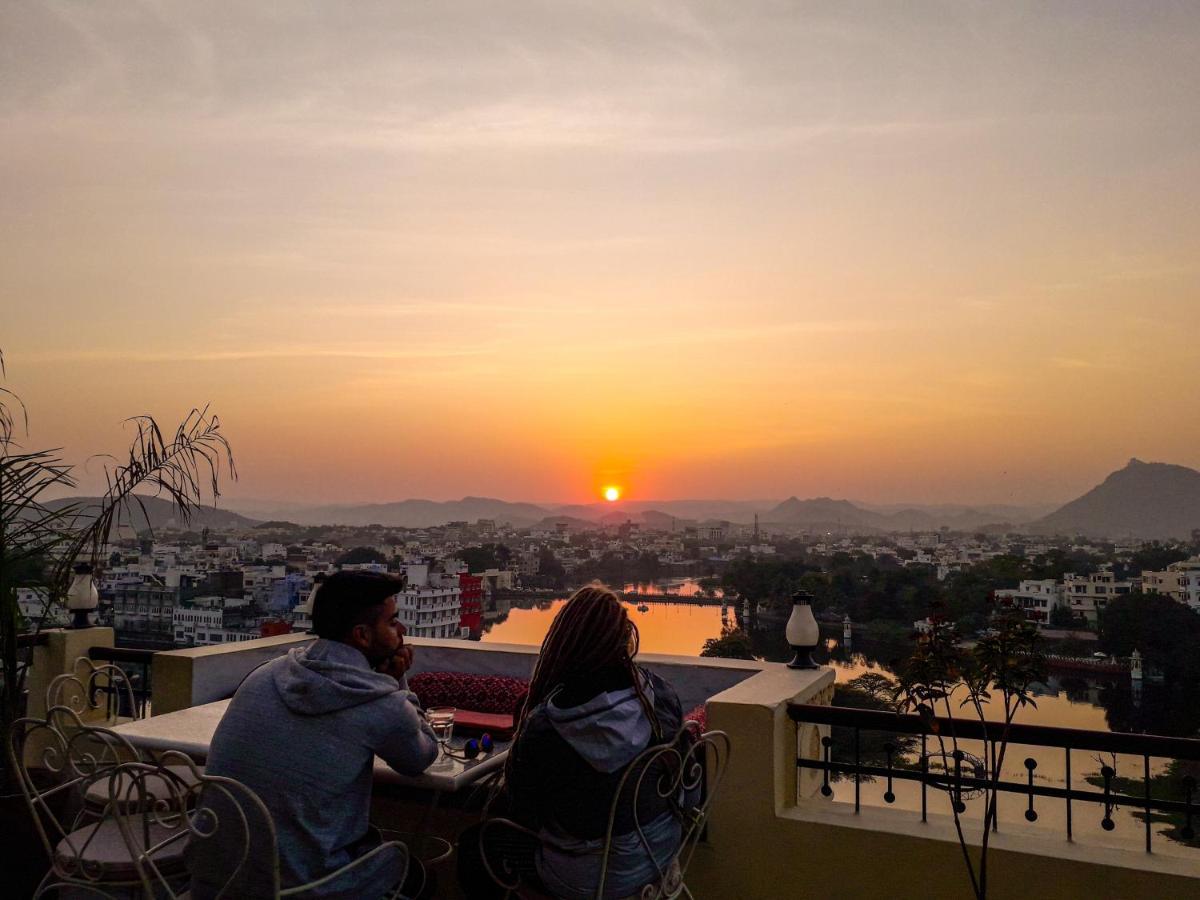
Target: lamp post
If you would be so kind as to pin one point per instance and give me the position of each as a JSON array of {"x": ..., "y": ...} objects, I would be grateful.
[
  {"x": 802, "y": 632},
  {"x": 82, "y": 596}
]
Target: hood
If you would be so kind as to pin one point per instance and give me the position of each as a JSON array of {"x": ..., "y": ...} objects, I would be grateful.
[
  {"x": 328, "y": 676},
  {"x": 608, "y": 731}
]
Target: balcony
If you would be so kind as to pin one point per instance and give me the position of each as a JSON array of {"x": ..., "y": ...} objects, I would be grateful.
[{"x": 792, "y": 815}]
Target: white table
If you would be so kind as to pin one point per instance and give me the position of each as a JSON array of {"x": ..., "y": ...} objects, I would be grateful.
[{"x": 191, "y": 731}]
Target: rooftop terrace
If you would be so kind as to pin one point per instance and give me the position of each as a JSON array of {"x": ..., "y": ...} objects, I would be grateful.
[{"x": 774, "y": 831}]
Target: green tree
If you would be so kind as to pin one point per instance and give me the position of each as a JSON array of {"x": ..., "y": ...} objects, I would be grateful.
[
  {"x": 941, "y": 680},
  {"x": 360, "y": 555},
  {"x": 732, "y": 644},
  {"x": 1163, "y": 630}
]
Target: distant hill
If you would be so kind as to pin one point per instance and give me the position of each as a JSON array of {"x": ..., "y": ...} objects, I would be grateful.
[
  {"x": 822, "y": 511},
  {"x": 422, "y": 513},
  {"x": 1142, "y": 500},
  {"x": 162, "y": 515}
]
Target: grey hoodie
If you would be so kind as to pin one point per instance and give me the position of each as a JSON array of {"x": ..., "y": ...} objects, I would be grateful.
[
  {"x": 570, "y": 761},
  {"x": 302, "y": 732}
]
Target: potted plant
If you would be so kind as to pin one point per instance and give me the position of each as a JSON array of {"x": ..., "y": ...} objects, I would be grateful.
[
  {"x": 942, "y": 680},
  {"x": 43, "y": 541}
]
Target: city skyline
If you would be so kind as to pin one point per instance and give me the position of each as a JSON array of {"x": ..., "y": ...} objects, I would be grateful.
[{"x": 934, "y": 254}]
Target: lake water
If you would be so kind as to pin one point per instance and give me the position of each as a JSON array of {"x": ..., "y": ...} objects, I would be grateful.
[{"x": 1100, "y": 704}]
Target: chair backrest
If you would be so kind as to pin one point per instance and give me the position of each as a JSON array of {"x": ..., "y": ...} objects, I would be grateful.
[
  {"x": 230, "y": 833},
  {"x": 97, "y": 693},
  {"x": 56, "y": 759},
  {"x": 686, "y": 774}
]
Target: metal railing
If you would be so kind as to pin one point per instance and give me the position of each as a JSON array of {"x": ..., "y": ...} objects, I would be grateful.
[
  {"x": 137, "y": 666},
  {"x": 960, "y": 774}
]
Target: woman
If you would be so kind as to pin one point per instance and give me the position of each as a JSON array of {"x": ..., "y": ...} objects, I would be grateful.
[{"x": 590, "y": 711}]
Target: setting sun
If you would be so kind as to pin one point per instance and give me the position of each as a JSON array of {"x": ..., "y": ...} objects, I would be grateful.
[{"x": 612, "y": 493}]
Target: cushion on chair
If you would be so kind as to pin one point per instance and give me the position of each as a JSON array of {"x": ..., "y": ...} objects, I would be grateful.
[
  {"x": 464, "y": 690},
  {"x": 96, "y": 796},
  {"x": 100, "y": 850},
  {"x": 698, "y": 715}
]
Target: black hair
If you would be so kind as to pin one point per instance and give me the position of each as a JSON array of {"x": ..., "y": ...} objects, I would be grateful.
[{"x": 346, "y": 599}]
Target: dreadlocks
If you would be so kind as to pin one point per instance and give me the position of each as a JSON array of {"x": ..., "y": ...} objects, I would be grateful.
[{"x": 591, "y": 633}]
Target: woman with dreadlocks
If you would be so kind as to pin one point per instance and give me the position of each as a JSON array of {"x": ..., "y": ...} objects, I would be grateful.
[{"x": 590, "y": 711}]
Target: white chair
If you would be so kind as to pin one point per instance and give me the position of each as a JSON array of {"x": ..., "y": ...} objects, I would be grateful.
[
  {"x": 207, "y": 807},
  {"x": 58, "y": 761},
  {"x": 686, "y": 772},
  {"x": 100, "y": 694}
]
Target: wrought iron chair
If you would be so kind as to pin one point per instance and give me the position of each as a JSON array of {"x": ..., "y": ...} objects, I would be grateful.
[
  {"x": 58, "y": 760},
  {"x": 686, "y": 772},
  {"x": 99, "y": 694},
  {"x": 199, "y": 809}
]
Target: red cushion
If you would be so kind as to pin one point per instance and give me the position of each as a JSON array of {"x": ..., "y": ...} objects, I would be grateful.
[
  {"x": 700, "y": 715},
  {"x": 464, "y": 690},
  {"x": 498, "y": 725}
]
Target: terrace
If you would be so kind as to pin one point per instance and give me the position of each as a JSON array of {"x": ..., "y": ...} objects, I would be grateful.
[{"x": 781, "y": 822}]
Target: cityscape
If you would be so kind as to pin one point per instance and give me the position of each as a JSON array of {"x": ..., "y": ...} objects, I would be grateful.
[{"x": 430, "y": 419}]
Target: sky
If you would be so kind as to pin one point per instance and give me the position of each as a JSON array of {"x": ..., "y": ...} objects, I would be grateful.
[{"x": 919, "y": 252}]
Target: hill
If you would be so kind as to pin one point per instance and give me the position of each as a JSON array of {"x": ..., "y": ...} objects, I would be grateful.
[
  {"x": 423, "y": 513},
  {"x": 1142, "y": 500},
  {"x": 161, "y": 514}
]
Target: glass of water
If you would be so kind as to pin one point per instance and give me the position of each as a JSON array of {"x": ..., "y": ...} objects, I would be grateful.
[{"x": 441, "y": 720}]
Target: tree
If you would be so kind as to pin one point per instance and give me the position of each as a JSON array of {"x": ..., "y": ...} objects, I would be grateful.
[
  {"x": 360, "y": 555},
  {"x": 1062, "y": 617},
  {"x": 180, "y": 467},
  {"x": 1154, "y": 558},
  {"x": 1165, "y": 632},
  {"x": 732, "y": 644},
  {"x": 941, "y": 678}
]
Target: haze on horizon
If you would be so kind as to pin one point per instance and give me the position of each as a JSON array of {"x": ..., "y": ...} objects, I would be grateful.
[{"x": 897, "y": 253}]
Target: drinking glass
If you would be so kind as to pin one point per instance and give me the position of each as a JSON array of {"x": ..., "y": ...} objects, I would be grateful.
[{"x": 441, "y": 720}]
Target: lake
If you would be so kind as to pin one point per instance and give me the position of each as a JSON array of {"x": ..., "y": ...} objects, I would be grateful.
[{"x": 1071, "y": 701}]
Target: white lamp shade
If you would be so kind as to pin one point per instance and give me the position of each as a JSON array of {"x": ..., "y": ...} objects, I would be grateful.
[
  {"x": 82, "y": 593},
  {"x": 802, "y": 630}
]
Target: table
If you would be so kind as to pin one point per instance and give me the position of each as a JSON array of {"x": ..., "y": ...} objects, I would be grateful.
[{"x": 191, "y": 731}]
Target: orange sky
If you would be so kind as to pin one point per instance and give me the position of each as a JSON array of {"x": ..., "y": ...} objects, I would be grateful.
[{"x": 906, "y": 253}]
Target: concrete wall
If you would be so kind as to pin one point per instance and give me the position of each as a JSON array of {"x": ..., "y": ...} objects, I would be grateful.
[
  {"x": 184, "y": 678},
  {"x": 772, "y": 835},
  {"x": 58, "y": 656}
]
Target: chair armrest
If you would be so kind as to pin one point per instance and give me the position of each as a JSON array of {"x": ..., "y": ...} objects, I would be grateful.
[
  {"x": 490, "y": 824},
  {"x": 350, "y": 866}
]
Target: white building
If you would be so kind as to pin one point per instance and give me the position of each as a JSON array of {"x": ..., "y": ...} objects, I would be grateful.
[
  {"x": 1088, "y": 595},
  {"x": 1036, "y": 598},
  {"x": 430, "y": 606},
  {"x": 31, "y": 601},
  {"x": 211, "y": 620},
  {"x": 1180, "y": 581}
]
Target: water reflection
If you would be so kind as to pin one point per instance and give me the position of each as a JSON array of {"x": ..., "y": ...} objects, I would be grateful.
[{"x": 1103, "y": 703}]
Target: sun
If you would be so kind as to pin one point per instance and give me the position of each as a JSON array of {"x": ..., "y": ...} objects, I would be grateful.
[{"x": 612, "y": 494}]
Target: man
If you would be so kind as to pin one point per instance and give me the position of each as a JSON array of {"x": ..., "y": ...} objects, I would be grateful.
[{"x": 302, "y": 732}]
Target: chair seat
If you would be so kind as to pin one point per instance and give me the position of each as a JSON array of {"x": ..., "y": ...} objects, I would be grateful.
[
  {"x": 99, "y": 850},
  {"x": 96, "y": 795}
]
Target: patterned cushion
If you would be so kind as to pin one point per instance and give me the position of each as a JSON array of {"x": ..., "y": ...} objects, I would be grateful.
[
  {"x": 699, "y": 714},
  {"x": 464, "y": 690}
]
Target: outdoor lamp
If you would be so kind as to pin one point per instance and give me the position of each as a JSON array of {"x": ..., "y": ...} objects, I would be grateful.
[
  {"x": 802, "y": 632},
  {"x": 82, "y": 596}
]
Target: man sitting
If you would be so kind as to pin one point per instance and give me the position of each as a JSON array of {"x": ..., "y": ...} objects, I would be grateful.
[{"x": 302, "y": 732}]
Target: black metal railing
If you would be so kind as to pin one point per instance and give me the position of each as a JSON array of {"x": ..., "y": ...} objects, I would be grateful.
[
  {"x": 137, "y": 666},
  {"x": 959, "y": 774}
]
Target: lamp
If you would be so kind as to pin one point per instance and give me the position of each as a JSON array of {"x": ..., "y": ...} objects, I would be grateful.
[
  {"x": 82, "y": 596},
  {"x": 802, "y": 632}
]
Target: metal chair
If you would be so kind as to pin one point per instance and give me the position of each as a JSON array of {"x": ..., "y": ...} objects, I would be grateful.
[
  {"x": 205, "y": 808},
  {"x": 686, "y": 772},
  {"x": 58, "y": 760},
  {"x": 99, "y": 694}
]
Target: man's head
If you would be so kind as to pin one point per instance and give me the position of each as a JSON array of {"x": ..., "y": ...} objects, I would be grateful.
[{"x": 359, "y": 609}]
